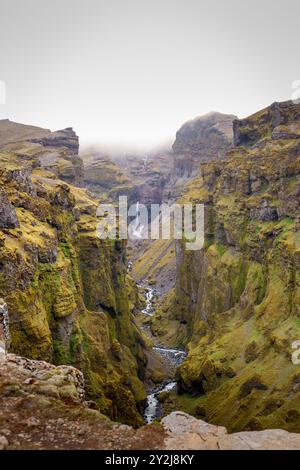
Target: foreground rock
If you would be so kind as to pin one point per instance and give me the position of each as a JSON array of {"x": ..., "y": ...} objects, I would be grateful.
[
  {"x": 44, "y": 407},
  {"x": 187, "y": 433},
  {"x": 8, "y": 217},
  {"x": 24, "y": 377}
]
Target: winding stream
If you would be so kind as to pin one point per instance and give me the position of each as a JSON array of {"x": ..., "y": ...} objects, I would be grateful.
[
  {"x": 152, "y": 409},
  {"x": 149, "y": 310},
  {"x": 172, "y": 356}
]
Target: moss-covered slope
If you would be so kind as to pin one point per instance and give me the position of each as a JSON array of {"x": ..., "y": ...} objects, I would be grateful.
[
  {"x": 240, "y": 294},
  {"x": 65, "y": 288}
]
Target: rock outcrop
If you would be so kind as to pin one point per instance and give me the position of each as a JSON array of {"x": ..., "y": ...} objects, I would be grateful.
[
  {"x": 239, "y": 296},
  {"x": 202, "y": 139},
  {"x": 8, "y": 217},
  {"x": 44, "y": 407},
  {"x": 54, "y": 151},
  {"x": 187, "y": 433},
  {"x": 279, "y": 121},
  {"x": 65, "y": 138},
  {"x": 40, "y": 378}
]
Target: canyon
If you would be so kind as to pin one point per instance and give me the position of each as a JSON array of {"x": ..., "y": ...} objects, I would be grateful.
[{"x": 145, "y": 344}]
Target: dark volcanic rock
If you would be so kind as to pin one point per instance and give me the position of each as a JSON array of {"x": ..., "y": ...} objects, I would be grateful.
[
  {"x": 8, "y": 217},
  {"x": 202, "y": 139}
]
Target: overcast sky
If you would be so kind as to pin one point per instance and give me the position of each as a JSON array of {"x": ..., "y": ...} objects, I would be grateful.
[{"x": 132, "y": 71}]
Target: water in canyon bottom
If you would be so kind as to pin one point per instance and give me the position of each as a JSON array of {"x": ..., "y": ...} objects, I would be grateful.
[
  {"x": 173, "y": 356},
  {"x": 151, "y": 411},
  {"x": 148, "y": 310}
]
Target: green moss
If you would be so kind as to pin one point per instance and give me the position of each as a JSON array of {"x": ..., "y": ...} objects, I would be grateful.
[
  {"x": 59, "y": 353},
  {"x": 240, "y": 295},
  {"x": 66, "y": 293}
]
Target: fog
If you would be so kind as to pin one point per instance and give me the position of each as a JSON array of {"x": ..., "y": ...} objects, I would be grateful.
[{"x": 130, "y": 72}]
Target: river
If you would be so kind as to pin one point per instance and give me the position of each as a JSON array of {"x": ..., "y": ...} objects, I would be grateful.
[{"x": 174, "y": 357}]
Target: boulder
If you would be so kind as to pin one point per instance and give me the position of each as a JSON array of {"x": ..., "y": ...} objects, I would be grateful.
[
  {"x": 8, "y": 217},
  {"x": 187, "y": 433}
]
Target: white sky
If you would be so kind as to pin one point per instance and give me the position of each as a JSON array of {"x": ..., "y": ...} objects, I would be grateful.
[{"x": 132, "y": 71}]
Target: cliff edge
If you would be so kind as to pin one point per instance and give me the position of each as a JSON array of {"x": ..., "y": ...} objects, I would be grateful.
[{"x": 44, "y": 407}]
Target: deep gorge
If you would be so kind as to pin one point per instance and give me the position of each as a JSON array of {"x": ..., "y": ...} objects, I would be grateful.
[{"x": 232, "y": 306}]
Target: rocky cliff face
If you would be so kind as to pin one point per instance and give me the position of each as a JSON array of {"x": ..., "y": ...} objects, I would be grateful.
[
  {"x": 139, "y": 177},
  {"x": 54, "y": 151},
  {"x": 278, "y": 121},
  {"x": 161, "y": 175},
  {"x": 103, "y": 177},
  {"x": 202, "y": 139},
  {"x": 63, "y": 286},
  {"x": 240, "y": 294}
]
